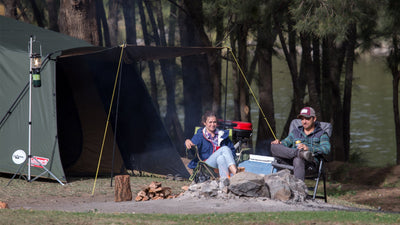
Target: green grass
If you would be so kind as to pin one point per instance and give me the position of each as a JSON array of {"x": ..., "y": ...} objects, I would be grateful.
[
  {"x": 338, "y": 191},
  {"x": 330, "y": 217},
  {"x": 20, "y": 190}
]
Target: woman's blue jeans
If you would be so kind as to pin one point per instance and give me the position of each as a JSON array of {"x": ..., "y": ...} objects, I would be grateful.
[{"x": 221, "y": 159}]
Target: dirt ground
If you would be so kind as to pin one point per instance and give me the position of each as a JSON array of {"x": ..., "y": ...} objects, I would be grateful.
[
  {"x": 349, "y": 188},
  {"x": 184, "y": 206},
  {"x": 376, "y": 187}
]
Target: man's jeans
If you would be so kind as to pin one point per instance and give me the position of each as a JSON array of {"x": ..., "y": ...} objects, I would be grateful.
[
  {"x": 290, "y": 156},
  {"x": 221, "y": 159}
]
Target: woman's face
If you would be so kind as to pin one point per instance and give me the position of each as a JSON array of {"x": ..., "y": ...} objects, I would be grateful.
[{"x": 211, "y": 124}]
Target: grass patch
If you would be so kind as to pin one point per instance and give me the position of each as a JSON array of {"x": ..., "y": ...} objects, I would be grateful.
[
  {"x": 81, "y": 188},
  {"x": 330, "y": 217},
  {"x": 337, "y": 190}
]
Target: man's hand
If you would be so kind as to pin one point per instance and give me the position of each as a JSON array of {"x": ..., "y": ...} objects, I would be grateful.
[
  {"x": 275, "y": 142},
  {"x": 302, "y": 146},
  {"x": 189, "y": 144}
]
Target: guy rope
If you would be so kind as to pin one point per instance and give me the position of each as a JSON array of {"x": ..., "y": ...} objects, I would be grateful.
[
  {"x": 108, "y": 116},
  {"x": 251, "y": 91}
]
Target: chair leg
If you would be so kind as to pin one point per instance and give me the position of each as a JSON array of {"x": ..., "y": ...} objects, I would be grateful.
[
  {"x": 315, "y": 188},
  {"x": 317, "y": 180},
  {"x": 324, "y": 180}
]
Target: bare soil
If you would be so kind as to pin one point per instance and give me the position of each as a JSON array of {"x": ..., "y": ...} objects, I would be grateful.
[
  {"x": 349, "y": 188},
  {"x": 375, "y": 187}
]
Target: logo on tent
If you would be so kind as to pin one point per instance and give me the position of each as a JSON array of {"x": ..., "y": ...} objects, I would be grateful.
[
  {"x": 19, "y": 156},
  {"x": 39, "y": 162}
]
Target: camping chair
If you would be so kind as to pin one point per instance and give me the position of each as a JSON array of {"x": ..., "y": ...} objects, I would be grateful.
[
  {"x": 206, "y": 171},
  {"x": 203, "y": 171},
  {"x": 242, "y": 153},
  {"x": 314, "y": 171}
]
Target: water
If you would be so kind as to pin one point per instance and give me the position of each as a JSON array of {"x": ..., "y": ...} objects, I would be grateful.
[
  {"x": 372, "y": 126},
  {"x": 371, "y": 121}
]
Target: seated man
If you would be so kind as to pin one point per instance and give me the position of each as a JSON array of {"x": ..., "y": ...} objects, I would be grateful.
[{"x": 304, "y": 141}]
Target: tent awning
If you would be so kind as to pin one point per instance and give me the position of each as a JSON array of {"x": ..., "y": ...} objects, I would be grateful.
[{"x": 144, "y": 53}]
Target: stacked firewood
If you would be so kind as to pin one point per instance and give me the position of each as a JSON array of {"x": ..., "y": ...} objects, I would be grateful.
[
  {"x": 154, "y": 192},
  {"x": 3, "y": 205}
]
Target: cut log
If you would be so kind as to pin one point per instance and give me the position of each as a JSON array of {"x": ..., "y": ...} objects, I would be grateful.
[
  {"x": 142, "y": 193},
  {"x": 138, "y": 198},
  {"x": 154, "y": 191},
  {"x": 3, "y": 205},
  {"x": 122, "y": 188},
  {"x": 155, "y": 185},
  {"x": 166, "y": 191}
]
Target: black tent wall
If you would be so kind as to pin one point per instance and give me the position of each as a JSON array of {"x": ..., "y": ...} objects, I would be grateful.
[{"x": 85, "y": 81}]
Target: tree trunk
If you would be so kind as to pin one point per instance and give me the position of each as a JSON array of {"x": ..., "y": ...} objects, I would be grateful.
[
  {"x": 235, "y": 80},
  {"x": 194, "y": 68},
  {"x": 393, "y": 62},
  {"x": 326, "y": 93},
  {"x": 113, "y": 7},
  {"x": 176, "y": 125},
  {"x": 171, "y": 118},
  {"x": 298, "y": 79},
  {"x": 308, "y": 67},
  {"x": 396, "y": 79},
  {"x": 130, "y": 21},
  {"x": 215, "y": 64},
  {"x": 335, "y": 62},
  {"x": 317, "y": 67},
  {"x": 243, "y": 88},
  {"x": 266, "y": 126},
  {"x": 348, "y": 84},
  {"x": 147, "y": 42},
  {"x": 214, "y": 60},
  {"x": 37, "y": 14},
  {"x": 102, "y": 25},
  {"x": 10, "y": 8},
  {"x": 174, "y": 67},
  {"x": 78, "y": 19},
  {"x": 194, "y": 10},
  {"x": 53, "y": 15},
  {"x": 122, "y": 188},
  {"x": 172, "y": 26}
]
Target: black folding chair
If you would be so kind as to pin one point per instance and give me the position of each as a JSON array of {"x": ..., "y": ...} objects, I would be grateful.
[
  {"x": 314, "y": 171},
  {"x": 203, "y": 171},
  {"x": 243, "y": 153}
]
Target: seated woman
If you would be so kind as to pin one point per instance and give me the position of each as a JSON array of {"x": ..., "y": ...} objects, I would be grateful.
[{"x": 215, "y": 147}]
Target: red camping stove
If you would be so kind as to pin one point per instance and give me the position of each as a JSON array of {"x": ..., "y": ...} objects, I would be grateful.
[{"x": 242, "y": 131}]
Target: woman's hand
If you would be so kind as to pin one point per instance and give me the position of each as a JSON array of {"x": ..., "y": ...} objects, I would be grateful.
[
  {"x": 189, "y": 144},
  {"x": 275, "y": 142}
]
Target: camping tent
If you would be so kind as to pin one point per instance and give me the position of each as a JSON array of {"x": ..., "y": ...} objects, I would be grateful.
[{"x": 70, "y": 109}]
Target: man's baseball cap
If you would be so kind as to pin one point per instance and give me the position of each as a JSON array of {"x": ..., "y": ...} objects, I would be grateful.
[{"x": 307, "y": 112}]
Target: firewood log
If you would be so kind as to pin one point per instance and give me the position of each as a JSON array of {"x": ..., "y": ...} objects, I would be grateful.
[{"x": 122, "y": 188}]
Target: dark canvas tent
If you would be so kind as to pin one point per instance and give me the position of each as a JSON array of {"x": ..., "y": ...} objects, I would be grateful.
[{"x": 70, "y": 110}]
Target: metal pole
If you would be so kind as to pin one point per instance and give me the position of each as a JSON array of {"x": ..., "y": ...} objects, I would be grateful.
[{"x": 30, "y": 108}]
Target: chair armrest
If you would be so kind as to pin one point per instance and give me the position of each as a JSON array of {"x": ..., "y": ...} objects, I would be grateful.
[
  {"x": 281, "y": 166},
  {"x": 320, "y": 157},
  {"x": 191, "y": 153}
]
